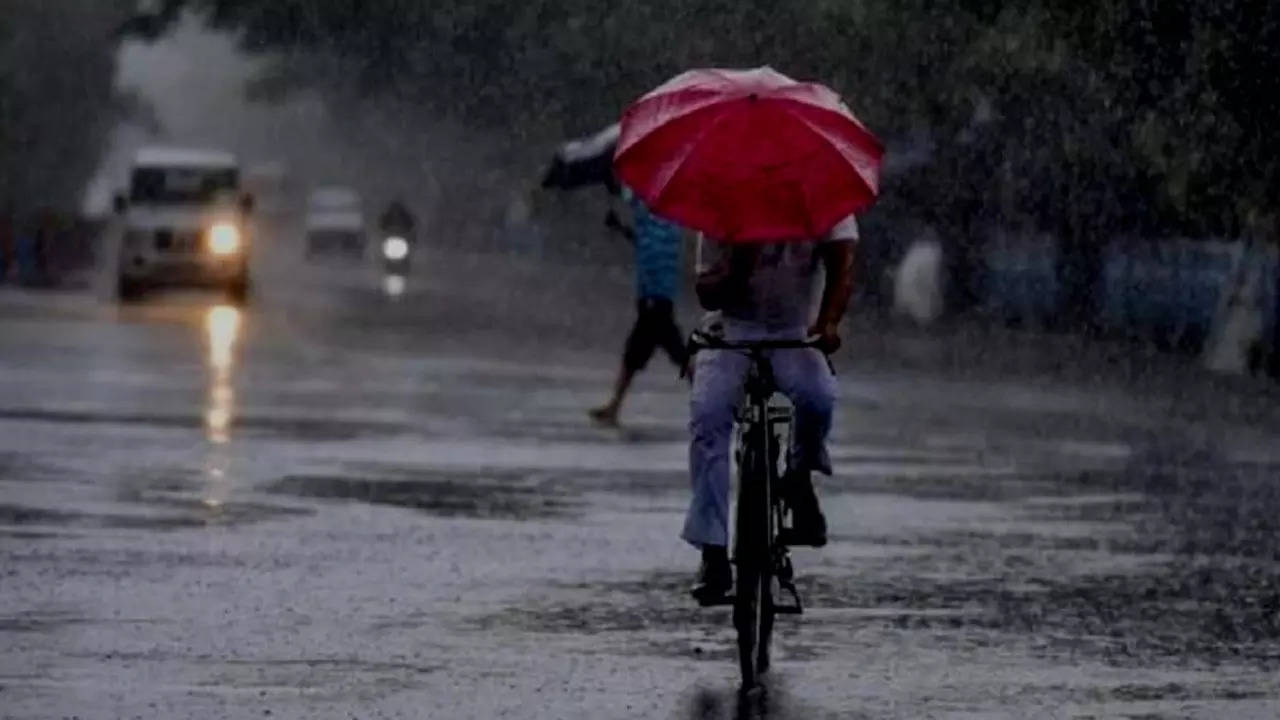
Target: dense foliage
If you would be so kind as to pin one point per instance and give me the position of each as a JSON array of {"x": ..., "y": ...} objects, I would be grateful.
[
  {"x": 1083, "y": 119},
  {"x": 56, "y": 99}
]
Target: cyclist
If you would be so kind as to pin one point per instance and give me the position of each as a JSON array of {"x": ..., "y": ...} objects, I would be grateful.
[{"x": 767, "y": 291}]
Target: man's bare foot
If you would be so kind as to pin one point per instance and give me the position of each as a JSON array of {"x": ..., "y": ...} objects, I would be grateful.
[{"x": 605, "y": 415}]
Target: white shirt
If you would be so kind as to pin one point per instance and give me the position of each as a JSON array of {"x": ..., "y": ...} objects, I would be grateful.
[{"x": 785, "y": 286}]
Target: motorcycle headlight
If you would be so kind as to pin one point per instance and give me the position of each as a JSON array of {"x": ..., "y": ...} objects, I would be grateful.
[
  {"x": 395, "y": 248},
  {"x": 224, "y": 239}
]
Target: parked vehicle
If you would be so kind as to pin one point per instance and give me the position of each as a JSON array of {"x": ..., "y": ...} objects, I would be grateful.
[{"x": 335, "y": 225}]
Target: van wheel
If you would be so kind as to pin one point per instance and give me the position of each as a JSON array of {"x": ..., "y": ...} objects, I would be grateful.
[
  {"x": 128, "y": 290},
  {"x": 238, "y": 290}
]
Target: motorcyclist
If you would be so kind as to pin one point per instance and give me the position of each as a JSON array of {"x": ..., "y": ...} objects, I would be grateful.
[{"x": 397, "y": 220}]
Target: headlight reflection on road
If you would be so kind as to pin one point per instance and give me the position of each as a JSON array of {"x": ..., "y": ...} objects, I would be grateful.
[
  {"x": 217, "y": 493},
  {"x": 222, "y": 327},
  {"x": 393, "y": 285},
  {"x": 217, "y": 419}
]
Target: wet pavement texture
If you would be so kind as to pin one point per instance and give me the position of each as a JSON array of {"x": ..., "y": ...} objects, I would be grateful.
[{"x": 335, "y": 503}]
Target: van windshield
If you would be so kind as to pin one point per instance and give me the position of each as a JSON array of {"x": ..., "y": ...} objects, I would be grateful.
[{"x": 181, "y": 184}]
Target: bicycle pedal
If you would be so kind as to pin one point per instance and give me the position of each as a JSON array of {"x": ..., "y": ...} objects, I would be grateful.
[
  {"x": 717, "y": 601},
  {"x": 783, "y": 570},
  {"x": 795, "y": 607}
]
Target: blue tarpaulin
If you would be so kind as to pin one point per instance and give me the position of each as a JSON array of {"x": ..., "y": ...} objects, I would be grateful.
[
  {"x": 1167, "y": 289},
  {"x": 1019, "y": 280}
]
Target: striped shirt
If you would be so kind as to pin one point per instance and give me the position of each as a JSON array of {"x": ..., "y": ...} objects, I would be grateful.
[{"x": 657, "y": 252}]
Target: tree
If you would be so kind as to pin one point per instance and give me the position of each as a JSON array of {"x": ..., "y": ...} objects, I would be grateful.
[
  {"x": 1082, "y": 119},
  {"x": 56, "y": 98}
]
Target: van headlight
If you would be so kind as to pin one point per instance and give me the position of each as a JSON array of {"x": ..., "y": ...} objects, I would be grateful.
[
  {"x": 224, "y": 239},
  {"x": 395, "y": 248}
]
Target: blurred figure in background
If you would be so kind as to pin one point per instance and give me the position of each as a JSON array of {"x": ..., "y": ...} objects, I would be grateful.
[
  {"x": 6, "y": 243},
  {"x": 398, "y": 220},
  {"x": 657, "y": 243},
  {"x": 32, "y": 246},
  {"x": 589, "y": 161}
]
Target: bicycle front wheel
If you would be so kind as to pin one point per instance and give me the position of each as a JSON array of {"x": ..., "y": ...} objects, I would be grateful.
[
  {"x": 753, "y": 601},
  {"x": 753, "y": 616}
]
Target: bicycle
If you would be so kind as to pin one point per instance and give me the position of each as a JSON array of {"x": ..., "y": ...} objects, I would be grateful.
[{"x": 759, "y": 552}]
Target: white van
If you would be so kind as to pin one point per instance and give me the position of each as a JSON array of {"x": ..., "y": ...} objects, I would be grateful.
[
  {"x": 335, "y": 224},
  {"x": 185, "y": 223}
]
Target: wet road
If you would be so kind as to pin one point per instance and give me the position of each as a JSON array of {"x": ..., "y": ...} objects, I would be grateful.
[{"x": 340, "y": 504}]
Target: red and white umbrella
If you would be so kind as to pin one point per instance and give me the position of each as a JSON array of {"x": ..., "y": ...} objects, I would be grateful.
[{"x": 748, "y": 155}]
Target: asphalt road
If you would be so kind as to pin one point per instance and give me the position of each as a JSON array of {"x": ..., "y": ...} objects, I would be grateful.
[{"x": 334, "y": 503}]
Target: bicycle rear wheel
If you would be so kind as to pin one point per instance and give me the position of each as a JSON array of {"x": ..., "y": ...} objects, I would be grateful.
[
  {"x": 753, "y": 602},
  {"x": 750, "y": 609}
]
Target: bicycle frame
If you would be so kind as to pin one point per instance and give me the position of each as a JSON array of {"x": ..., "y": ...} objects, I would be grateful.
[{"x": 759, "y": 556}]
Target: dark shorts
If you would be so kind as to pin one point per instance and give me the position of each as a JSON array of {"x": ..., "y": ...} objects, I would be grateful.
[{"x": 655, "y": 327}]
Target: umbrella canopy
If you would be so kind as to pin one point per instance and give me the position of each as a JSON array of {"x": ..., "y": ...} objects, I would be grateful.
[
  {"x": 748, "y": 155},
  {"x": 584, "y": 161}
]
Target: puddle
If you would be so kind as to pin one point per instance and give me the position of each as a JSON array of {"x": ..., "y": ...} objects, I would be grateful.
[
  {"x": 315, "y": 430},
  {"x": 946, "y": 484},
  {"x": 27, "y": 534},
  {"x": 295, "y": 428},
  {"x": 191, "y": 514},
  {"x": 1136, "y": 567},
  {"x": 1182, "y": 614},
  {"x": 23, "y": 515},
  {"x": 17, "y": 466},
  {"x": 1219, "y": 510},
  {"x": 582, "y": 430},
  {"x": 323, "y": 675},
  {"x": 44, "y": 621},
  {"x": 87, "y": 417},
  {"x": 509, "y": 496},
  {"x": 777, "y": 703},
  {"x": 1132, "y": 568},
  {"x": 38, "y": 622},
  {"x": 658, "y": 601},
  {"x": 648, "y": 615}
]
